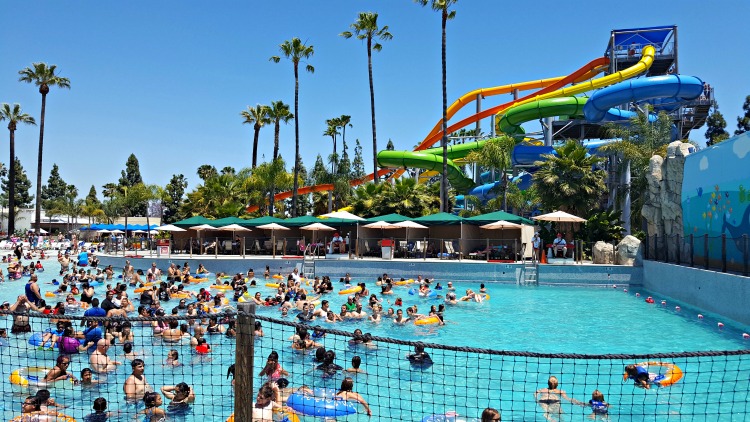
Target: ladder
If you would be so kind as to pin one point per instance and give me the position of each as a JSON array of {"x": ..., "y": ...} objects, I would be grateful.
[
  {"x": 308, "y": 262},
  {"x": 529, "y": 272}
]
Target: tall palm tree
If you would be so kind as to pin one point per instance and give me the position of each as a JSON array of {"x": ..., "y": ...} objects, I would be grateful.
[
  {"x": 44, "y": 77},
  {"x": 496, "y": 155},
  {"x": 366, "y": 28},
  {"x": 442, "y": 6},
  {"x": 332, "y": 131},
  {"x": 295, "y": 50},
  {"x": 278, "y": 112},
  {"x": 258, "y": 117},
  {"x": 13, "y": 115},
  {"x": 343, "y": 122}
]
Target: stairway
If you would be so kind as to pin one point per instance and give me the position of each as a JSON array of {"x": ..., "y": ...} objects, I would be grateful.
[
  {"x": 529, "y": 275},
  {"x": 308, "y": 265}
]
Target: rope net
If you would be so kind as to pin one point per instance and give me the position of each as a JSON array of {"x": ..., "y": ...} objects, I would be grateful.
[{"x": 186, "y": 369}]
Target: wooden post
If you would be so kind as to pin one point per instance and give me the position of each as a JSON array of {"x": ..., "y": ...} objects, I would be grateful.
[{"x": 243, "y": 362}]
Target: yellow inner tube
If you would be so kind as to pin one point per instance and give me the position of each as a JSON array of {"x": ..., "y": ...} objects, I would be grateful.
[
  {"x": 403, "y": 282},
  {"x": 181, "y": 295},
  {"x": 221, "y": 287},
  {"x": 50, "y": 294},
  {"x": 43, "y": 416},
  {"x": 277, "y": 276},
  {"x": 427, "y": 321},
  {"x": 273, "y": 285},
  {"x": 197, "y": 279},
  {"x": 355, "y": 289}
]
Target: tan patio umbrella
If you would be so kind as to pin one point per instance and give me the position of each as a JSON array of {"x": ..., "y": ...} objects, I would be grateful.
[
  {"x": 170, "y": 228},
  {"x": 408, "y": 224},
  {"x": 315, "y": 227},
  {"x": 273, "y": 227},
  {"x": 344, "y": 215},
  {"x": 501, "y": 225},
  {"x": 199, "y": 229},
  {"x": 380, "y": 225},
  {"x": 560, "y": 217}
]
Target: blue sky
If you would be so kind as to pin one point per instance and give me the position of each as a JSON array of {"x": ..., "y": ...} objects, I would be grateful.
[{"x": 167, "y": 80}]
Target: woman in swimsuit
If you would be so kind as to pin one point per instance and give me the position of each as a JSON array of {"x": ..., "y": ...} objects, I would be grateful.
[
  {"x": 273, "y": 369},
  {"x": 549, "y": 399},
  {"x": 346, "y": 393},
  {"x": 153, "y": 412}
]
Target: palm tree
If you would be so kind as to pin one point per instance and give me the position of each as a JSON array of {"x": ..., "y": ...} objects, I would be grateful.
[
  {"x": 258, "y": 117},
  {"x": 332, "y": 131},
  {"x": 278, "y": 112},
  {"x": 44, "y": 77},
  {"x": 442, "y": 6},
  {"x": 206, "y": 171},
  {"x": 567, "y": 181},
  {"x": 366, "y": 28},
  {"x": 295, "y": 50},
  {"x": 13, "y": 115},
  {"x": 496, "y": 155},
  {"x": 343, "y": 122}
]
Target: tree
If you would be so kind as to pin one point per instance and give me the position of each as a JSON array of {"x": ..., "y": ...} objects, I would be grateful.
[
  {"x": 263, "y": 182},
  {"x": 130, "y": 177},
  {"x": 443, "y": 7},
  {"x": 495, "y": 154},
  {"x": 13, "y": 115},
  {"x": 132, "y": 199},
  {"x": 174, "y": 190},
  {"x": 366, "y": 28},
  {"x": 358, "y": 165},
  {"x": 278, "y": 112},
  {"x": 296, "y": 51},
  {"x": 567, "y": 182},
  {"x": 92, "y": 211},
  {"x": 743, "y": 122},
  {"x": 54, "y": 189},
  {"x": 332, "y": 131},
  {"x": 206, "y": 171},
  {"x": 319, "y": 173},
  {"x": 220, "y": 196},
  {"x": 715, "y": 128},
  {"x": 258, "y": 117},
  {"x": 344, "y": 121},
  {"x": 228, "y": 170},
  {"x": 22, "y": 198},
  {"x": 389, "y": 146},
  {"x": 91, "y": 198},
  {"x": 44, "y": 77},
  {"x": 109, "y": 190}
]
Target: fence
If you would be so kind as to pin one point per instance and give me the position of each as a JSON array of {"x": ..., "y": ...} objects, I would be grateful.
[
  {"x": 720, "y": 253},
  {"x": 391, "y": 380}
]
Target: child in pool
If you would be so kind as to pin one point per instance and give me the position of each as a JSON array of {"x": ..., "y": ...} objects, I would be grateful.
[
  {"x": 152, "y": 410},
  {"x": 598, "y": 405}
]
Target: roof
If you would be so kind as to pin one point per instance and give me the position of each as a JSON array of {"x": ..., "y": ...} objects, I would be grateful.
[
  {"x": 498, "y": 216},
  {"x": 641, "y": 36},
  {"x": 193, "y": 221},
  {"x": 227, "y": 221},
  {"x": 309, "y": 219},
  {"x": 255, "y": 222},
  {"x": 389, "y": 218},
  {"x": 439, "y": 219}
]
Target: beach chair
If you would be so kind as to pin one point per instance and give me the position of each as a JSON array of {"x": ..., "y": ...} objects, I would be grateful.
[
  {"x": 450, "y": 251},
  {"x": 482, "y": 254},
  {"x": 280, "y": 247}
]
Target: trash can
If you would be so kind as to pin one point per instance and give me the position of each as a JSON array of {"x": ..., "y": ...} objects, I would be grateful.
[{"x": 386, "y": 248}]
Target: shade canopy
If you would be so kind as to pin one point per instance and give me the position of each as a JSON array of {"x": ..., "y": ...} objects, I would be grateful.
[
  {"x": 380, "y": 225},
  {"x": 233, "y": 228},
  {"x": 273, "y": 226},
  {"x": 222, "y": 222},
  {"x": 104, "y": 231},
  {"x": 170, "y": 228},
  {"x": 117, "y": 231},
  {"x": 497, "y": 216},
  {"x": 317, "y": 227},
  {"x": 501, "y": 225},
  {"x": 203, "y": 227},
  {"x": 256, "y": 222},
  {"x": 439, "y": 219},
  {"x": 560, "y": 217},
  {"x": 409, "y": 225},
  {"x": 343, "y": 215},
  {"x": 193, "y": 221},
  {"x": 388, "y": 218}
]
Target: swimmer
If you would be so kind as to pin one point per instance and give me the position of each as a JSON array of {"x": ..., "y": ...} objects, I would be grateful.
[
  {"x": 400, "y": 320},
  {"x": 152, "y": 411},
  {"x": 329, "y": 367},
  {"x": 100, "y": 411},
  {"x": 642, "y": 377},
  {"x": 100, "y": 362},
  {"x": 136, "y": 384},
  {"x": 267, "y": 401},
  {"x": 273, "y": 369},
  {"x": 258, "y": 329},
  {"x": 482, "y": 289},
  {"x": 346, "y": 392},
  {"x": 87, "y": 377},
  {"x": 173, "y": 359},
  {"x": 490, "y": 415},
  {"x": 128, "y": 353},
  {"x": 420, "y": 358},
  {"x": 598, "y": 406},
  {"x": 179, "y": 394},
  {"x": 471, "y": 296},
  {"x": 59, "y": 372},
  {"x": 450, "y": 286},
  {"x": 549, "y": 399},
  {"x": 356, "y": 362}
]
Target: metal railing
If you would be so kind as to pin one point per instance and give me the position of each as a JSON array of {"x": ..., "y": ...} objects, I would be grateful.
[{"x": 719, "y": 253}]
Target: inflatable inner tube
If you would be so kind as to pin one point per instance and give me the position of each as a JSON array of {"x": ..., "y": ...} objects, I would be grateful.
[
  {"x": 320, "y": 405},
  {"x": 427, "y": 321},
  {"x": 355, "y": 289}
]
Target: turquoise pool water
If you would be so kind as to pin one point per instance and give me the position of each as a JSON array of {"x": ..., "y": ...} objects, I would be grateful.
[{"x": 539, "y": 319}]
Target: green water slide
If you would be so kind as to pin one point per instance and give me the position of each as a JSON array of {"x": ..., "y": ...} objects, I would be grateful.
[
  {"x": 424, "y": 160},
  {"x": 564, "y": 106}
]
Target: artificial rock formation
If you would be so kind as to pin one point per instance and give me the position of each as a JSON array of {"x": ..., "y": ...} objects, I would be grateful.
[
  {"x": 628, "y": 252},
  {"x": 663, "y": 206},
  {"x": 603, "y": 253}
]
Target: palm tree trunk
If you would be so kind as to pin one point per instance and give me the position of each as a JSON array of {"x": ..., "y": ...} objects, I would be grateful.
[
  {"x": 333, "y": 162},
  {"x": 296, "y": 140},
  {"x": 38, "y": 211},
  {"x": 372, "y": 113},
  {"x": 255, "y": 144},
  {"x": 12, "y": 185},
  {"x": 444, "y": 141},
  {"x": 276, "y": 140}
]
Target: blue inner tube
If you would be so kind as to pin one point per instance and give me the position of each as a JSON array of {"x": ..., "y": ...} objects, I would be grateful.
[
  {"x": 321, "y": 405},
  {"x": 36, "y": 340}
]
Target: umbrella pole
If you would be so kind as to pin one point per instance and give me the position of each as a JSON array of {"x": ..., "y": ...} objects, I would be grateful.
[{"x": 273, "y": 244}]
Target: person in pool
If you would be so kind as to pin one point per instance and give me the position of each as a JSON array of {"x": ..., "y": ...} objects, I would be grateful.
[
  {"x": 346, "y": 392},
  {"x": 180, "y": 394},
  {"x": 273, "y": 369},
  {"x": 490, "y": 415},
  {"x": 152, "y": 411},
  {"x": 549, "y": 399},
  {"x": 136, "y": 384},
  {"x": 640, "y": 375},
  {"x": 420, "y": 358},
  {"x": 60, "y": 371},
  {"x": 598, "y": 406}
]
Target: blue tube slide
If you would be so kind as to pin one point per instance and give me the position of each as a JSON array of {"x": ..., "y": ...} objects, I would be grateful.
[{"x": 684, "y": 88}]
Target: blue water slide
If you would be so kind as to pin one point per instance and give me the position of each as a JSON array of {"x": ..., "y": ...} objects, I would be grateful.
[{"x": 679, "y": 87}]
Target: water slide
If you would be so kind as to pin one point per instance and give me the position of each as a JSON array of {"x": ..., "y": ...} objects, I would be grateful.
[{"x": 586, "y": 72}]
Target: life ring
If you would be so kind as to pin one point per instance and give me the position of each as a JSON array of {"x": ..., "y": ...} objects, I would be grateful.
[
  {"x": 278, "y": 276},
  {"x": 430, "y": 293},
  {"x": 43, "y": 417},
  {"x": 36, "y": 339},
  {"x": 241, "y": 299},
  {"x": 197, "y": 279},
  {"x": 273, "y": 285},
  {"x": 320, "y": 405},
  {"x": 484, "y": 296},
  {"x": 403, "y": 282},
  {"x": 181, "y": 295},
  {"x": 355, "y": 289},
  {"x": 141, "y": 289},
  {"x": 668, "y": 378},
  {"x": 427, "y": 321},
  {"x": 50, "y": 294},
  {"x": 221, "y": 287},
  {"x": 149, "y": 284}
]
